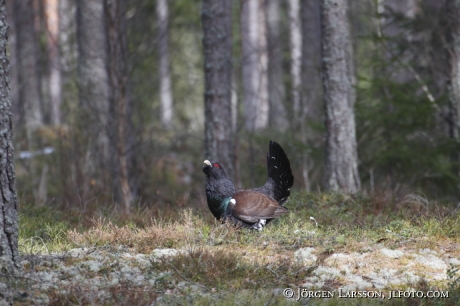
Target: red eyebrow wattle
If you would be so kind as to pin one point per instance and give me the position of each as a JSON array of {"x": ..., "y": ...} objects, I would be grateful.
[{"x": 216, "y": 165}]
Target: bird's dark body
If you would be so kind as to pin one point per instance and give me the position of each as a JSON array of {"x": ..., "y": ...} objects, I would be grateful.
[{"x": 255, "y": 207}]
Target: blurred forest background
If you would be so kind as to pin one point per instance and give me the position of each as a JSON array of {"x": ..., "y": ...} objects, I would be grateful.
[{"x": 108, "y": 97}]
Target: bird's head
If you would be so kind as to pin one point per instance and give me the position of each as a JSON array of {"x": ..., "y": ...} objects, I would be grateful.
[{"x": 213, "y": 170}]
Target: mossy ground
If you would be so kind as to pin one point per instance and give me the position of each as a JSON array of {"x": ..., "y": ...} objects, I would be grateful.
[{"x": 244, "y": 267}]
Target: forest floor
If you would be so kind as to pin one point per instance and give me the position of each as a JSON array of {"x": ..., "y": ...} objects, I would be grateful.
[{"x": 353, "y": 251}]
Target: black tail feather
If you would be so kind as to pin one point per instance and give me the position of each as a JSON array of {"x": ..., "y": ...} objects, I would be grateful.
[{"x": 280, "y": 178}]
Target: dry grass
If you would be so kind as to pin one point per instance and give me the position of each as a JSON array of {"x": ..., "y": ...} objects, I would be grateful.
[{"x": 156, "y": 234}]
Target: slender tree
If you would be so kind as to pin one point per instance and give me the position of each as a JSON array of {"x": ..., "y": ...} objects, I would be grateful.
[
  {"x": 253, "y": 62},
  {"x": 119, "y": 100},
  {"x": 217, "y": 47},
  {"x": 52, "y": 22},
  {"x": 67, "y": 45},
  {"x": 276, "y": 89},
  {"x": 263, "y": 102},
  {"x": 26, "y": 50},
  {"x": 295, "y": 42},
  {"x": 13, "y": 59},
  {"x": 339, "y": 98},
  {"x": 29, "y": 90},
  {"x": 93, "y": 93},
  {"x": 310, "y": 91},
  {"x": 9, "y": 255},
  {"x": 166, "y": 100},
  {"x": 452, "y": 17}
]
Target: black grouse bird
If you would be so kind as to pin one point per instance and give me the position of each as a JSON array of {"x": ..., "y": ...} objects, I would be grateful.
[{"x": 252, "y": 208}]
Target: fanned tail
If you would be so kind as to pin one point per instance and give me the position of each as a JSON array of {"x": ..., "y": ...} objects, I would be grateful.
[{"x": 280, "y": 178}]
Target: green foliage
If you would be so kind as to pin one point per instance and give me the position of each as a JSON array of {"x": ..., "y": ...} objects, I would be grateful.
[
  {"x": 42, "y": 229},
  {"x": 402, "y": 140}
]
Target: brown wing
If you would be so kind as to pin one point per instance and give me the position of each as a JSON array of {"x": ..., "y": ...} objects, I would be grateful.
[{"x": 251, "y": 206}]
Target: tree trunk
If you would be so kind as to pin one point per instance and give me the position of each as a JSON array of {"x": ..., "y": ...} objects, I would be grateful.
[
  {"x": 67, "y": 46},
  {"x": 254, "y": 85},
  {"x": 15, "y": 105},
  {"x": 93, "y": 93},
  {"x": 452, "y": 16},
  {"x": 311, "y": 91},
  {"x": 28, "y": 77},
  {"x": 26, "y": 50},
  {"x": 9, "y": 255},
  {"x": 295, "y": 40},
  {"x": 118, "y": 98},
  {"x": 263, "y": 107},
  {"x": 339, "y": 98},
  {"x": 276, "y": 91},
  {"x": 52, "y": 21},
  {"x": 166, "y": 100},
  {"x": 217, "y": 47},
  {"x": 311, "y": 59}
]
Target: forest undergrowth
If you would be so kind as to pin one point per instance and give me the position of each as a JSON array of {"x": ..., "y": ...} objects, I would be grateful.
[{"x": 227, "y": 265}]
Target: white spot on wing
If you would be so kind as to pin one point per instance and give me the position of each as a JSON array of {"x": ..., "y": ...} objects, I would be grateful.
[{"x": 233, "y": 201}]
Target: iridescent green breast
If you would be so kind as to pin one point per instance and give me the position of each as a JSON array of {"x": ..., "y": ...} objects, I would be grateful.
[{"x": 218, "y": 205}]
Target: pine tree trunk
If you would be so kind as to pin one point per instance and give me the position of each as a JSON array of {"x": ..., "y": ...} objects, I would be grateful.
[
  {"x": 166, "y": 100},
  {"x": 339, "y": 98},
  {"x": 28, "y": 77},
  {"x": 26, "y": 50},
  {"x": 14, "y": 87},
  {"x": 119, "y": 99},
  {"x": 67, "y": 45},
  {"x": 93, "y": 94},
  {"x": 217, "y": 47},
  {"x": 9, "y": 255},
  {"x": 276, "y": 91}
]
